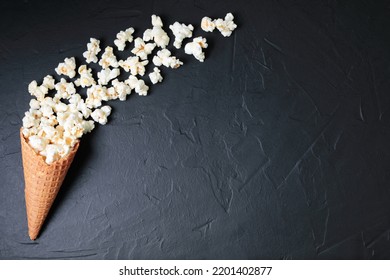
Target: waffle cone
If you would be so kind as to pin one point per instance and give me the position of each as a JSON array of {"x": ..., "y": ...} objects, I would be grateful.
[{"x": 42, "y": 183}]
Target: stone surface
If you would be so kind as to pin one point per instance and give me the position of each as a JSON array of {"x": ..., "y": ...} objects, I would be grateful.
[{"x": 276, "y": 147}]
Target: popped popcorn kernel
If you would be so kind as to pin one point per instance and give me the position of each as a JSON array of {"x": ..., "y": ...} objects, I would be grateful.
[
  {"x": 134, "y": 65},
  {"x": 122, "y": 37},
  {"x": 106, "y": 75},
  {"x": 196, "y": 48},
  {"x": 142, "y": 49},
  {"x": 67, "y": 68},
  {"x": 181, "y": 31},
  {"x": 164, "y": 57},
  {"x": 226, "y": 26},
  {"x": 108, "y": 59},
  {"x": 86, "y": 79},
  {"x": 95, "y": 95},
  {"x": 141, "y": 88},
  {"x": 93, "y": 48},
  {"x": 155, "y": 77},
  {"x": 100, "y": 115},
  {"x": 64, "y": 89},
  {"x": 207, "y": 24},
  {"x": 38, "y": 91},
  {"x": 157, "y": 33},
  {"x": 121, "y": 89},
  {"x": 48, "y": 82}
]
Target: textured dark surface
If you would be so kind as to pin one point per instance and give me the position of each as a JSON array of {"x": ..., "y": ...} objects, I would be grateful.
[{"x": 277, "y": 146}]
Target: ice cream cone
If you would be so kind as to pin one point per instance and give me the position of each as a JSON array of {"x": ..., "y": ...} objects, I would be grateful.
[{"x": 42, "y": 183}]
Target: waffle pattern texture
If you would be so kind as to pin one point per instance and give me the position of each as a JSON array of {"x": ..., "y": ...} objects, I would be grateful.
[{"x": 42, "y": 183}]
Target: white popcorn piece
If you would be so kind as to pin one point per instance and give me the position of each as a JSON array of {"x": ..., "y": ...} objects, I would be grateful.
[
  {"x": 51, "y": 153},
  {"x": 48, "y": 121},
  {"x": 83, "y": 109},
  {"x": 134, "y": 65},
  {"x": 34, "y": 104},
  {"x": 148, "y": 35},
  {"x": 108, "y": 59},
  {"x": 67, "y": 68},
  {"x": 60, "y": 107},
  {"x": 196, "y": 48},
  {"x": 64, "y": 89},
  {"x": 207, "y": 24},
  {"x": 95, "y": 95},
  {"x": 142, "y": 49},
  {"x": 48, "y": 82},
  {"x": 156, "y": 21},
  {"x": 46, "y": 110},
  {"x": 121, "y": 89},
  {"x": 155, "y": 77},
  {"x": 164, "y": 57},
  {"x": 30, "y": 120},
  {"x": 137, "y": 84},
  {"x": 37, "y": 143},
  {"x": 157, "y": 33},
  {"x": 88, "y": 126},
  {"x": 122, "y": 37},
  {"x": 86, "y": 79},
  {"x": 141, "y": 88},
  {"x": 93, "y": 48},
  {"x": 100, "y": 115},
  {"x": 227, "y": 25},
  {"x": 181, "y": 31},
  {"x": 131, "y": 81},
  {"x": 106, "y": 75},
  {"x": 38, "y": 91}
]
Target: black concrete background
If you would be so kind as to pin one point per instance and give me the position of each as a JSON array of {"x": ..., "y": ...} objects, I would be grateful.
[{"x": 276, "y": 147}]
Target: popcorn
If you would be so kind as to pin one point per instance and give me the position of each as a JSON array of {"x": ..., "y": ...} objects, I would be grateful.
[
  {"x": 141, "y": 49},
  {"x": 86, "y": 79},
  {"x": 64, "y": 89},
  {"x": 207, "y": 24},
  {"x": 155, "y": 77},
  {"x": 37, "y": 143},
  {"x": 108, "y": 59},
  {"x": 134, "y": 65},
  {"x": 29, "y": 120},
  {"x": 226, "y": 26},
  {"x": 100, "y": 115},
  {"x": 88, "y": 126},
  {"x": 138, "y": 85},
  {"x": 46, "y": 110},
  {"x": 164, "y": 57},
  {"x": 53, "y": 126},
  {"x": 48, "y": 82},
  {"x": 95, "y": 95},
  {"x": 123, "y": 37},
  {"x": 106, "y": 75},
  {"x": 34, "y": 104},
  {"x": 181, "y": 31},
  {"x": 195, "y": 48},
  {"x": 156, "y": 21},
  {"x": 93, "y": 49},
  {"x": 51, "y": 153},
  {"x": 67, "y": 67},
  {"x": 157, "y": 34},
  {"x": 60, "y": 107},
  {"x": 141, "y": 88},
  {"x": 77, "y": 103},
  {"x": 132, "y": 81},
  {"x": 121, "y": 89},
  {"x": 38, "y": 91}
]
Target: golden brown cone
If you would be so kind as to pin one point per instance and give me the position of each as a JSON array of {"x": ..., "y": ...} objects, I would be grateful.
[{"x": 42, "y": 183}]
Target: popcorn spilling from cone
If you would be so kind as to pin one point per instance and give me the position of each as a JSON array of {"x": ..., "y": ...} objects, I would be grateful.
[{"x": 59, "y": 114}]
